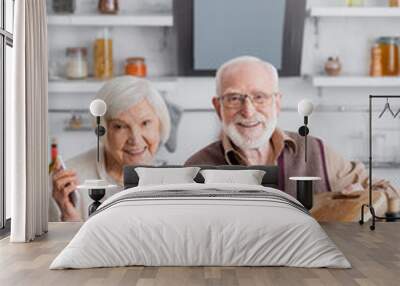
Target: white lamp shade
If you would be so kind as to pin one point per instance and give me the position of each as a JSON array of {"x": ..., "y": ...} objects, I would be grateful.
[
  {"x": 98, "y": 107},
  {"x": 305, "y": 107}
]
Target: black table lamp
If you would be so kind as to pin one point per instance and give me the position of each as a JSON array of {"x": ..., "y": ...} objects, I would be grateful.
[
  {"x": 305, "y": 108},
  {"x": 97, "y": 108},
  {"x": 305, "y": 184}
]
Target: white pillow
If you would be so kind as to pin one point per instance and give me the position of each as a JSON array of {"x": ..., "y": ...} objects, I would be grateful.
[
  {"x": 249, "y": 177},
  {"x": 162, "y": 176}
]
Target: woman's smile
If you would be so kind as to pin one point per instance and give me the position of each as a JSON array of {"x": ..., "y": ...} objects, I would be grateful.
[{"x": 133, "y": 152}]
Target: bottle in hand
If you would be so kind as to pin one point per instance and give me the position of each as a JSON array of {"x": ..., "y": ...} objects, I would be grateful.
[{"x": 53, "y": 154}]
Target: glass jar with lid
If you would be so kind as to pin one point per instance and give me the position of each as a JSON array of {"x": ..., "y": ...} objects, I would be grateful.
[
  {"x": 103, "y": 55},
  {"x": 136, "y": 66},
  {"x": 108, "y": 6},
  {"x": 390, "y": 55},
  {"x": 76, "y": 65}
]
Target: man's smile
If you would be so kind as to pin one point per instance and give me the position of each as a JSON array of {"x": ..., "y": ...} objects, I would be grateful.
[{"x": 248, "y": 124}]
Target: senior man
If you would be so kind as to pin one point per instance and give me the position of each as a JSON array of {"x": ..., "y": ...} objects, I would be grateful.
[{"x": 248, "y": 103}]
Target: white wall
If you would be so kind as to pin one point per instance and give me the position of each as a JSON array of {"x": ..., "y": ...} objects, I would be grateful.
[{"x": 347, "y": 38}]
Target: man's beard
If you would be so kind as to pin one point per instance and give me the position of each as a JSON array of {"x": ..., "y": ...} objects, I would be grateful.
[{"x": 249, "y": 142}]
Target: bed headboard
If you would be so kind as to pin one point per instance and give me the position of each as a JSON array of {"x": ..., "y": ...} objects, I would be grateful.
[{"x": 270, "y": 179}]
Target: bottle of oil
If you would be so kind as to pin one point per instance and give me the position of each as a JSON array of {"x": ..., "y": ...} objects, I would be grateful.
[{"x": 53, "y": 154}]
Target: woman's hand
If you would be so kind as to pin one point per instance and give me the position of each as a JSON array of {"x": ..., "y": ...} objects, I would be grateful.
[{"x": 64, "y": 183}]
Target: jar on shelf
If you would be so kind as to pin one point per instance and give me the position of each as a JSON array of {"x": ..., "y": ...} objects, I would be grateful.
[
  {"x": 390, "y": 55},
  {"x": 75, "y": 122},
  {"x": 76, "y": 64},
  {"x": 333, "y": 67},
  {"x": 375, "y": 69},
  {"x": 64, "y": 6},
  {"x": 394, "y": 3},
  {"x": 103, "y": 55},
  {"x": 108, "y": 6},
  {"x": 136, "y": 66}
]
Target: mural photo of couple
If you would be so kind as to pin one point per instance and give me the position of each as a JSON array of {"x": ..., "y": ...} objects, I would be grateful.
[{"x": 247, "y": 102}]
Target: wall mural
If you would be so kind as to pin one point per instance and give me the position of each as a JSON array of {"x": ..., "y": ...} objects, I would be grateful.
[{"x": 139, "y": 124}]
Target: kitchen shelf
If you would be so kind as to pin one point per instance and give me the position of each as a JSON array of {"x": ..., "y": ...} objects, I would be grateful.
[
  {"x": 92, "y": 85},
  {"x": 80, "y": 129},
  {"x": 156, "y": 20},
  {"x": 355, "y": 81},
  {"x": 383, "y": 165},
  {"x": 354, "y": 12}
]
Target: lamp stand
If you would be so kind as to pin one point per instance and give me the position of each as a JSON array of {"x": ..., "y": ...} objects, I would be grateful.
[
  {"x": 303, "y": 131},
  {"x": 96, "y": 195},
  {"x": 304, "y": 186},
  {"x": 305, "y": 193},
  {"x": 99, "y": 131}
]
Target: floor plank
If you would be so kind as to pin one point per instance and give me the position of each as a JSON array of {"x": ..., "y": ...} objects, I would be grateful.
[{"x": 375, "y": 257}]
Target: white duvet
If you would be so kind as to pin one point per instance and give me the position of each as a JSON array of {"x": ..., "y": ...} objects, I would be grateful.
[{"x": 183, "y": 231}]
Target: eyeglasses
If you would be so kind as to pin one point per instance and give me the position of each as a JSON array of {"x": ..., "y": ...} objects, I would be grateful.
[{"x": 236, "y": 100}]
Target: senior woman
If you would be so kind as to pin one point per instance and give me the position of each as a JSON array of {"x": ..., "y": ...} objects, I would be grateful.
[{"x": 137, "y": 123}]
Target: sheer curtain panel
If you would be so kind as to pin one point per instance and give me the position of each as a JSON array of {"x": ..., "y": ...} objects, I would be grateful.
[{"x": 26, "y": 116}]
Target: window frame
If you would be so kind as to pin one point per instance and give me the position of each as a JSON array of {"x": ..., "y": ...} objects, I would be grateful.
[
  {"x": 295, "y": 15},
  {"x": 6, "y": 39}
]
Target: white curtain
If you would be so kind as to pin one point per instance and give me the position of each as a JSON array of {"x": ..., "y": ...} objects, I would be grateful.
[{"x": 26, "y": 123}]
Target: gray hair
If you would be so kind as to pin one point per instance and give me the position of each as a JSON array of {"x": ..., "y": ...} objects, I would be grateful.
[
  {"x": 123, "y": 92},
  {"x": 245, "y": 60}
]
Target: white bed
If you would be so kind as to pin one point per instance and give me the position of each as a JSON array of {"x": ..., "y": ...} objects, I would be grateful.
[{"x": 201, "y": 224}]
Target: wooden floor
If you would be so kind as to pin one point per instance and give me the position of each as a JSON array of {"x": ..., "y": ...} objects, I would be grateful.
[{"x": 375, "y": 257}]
